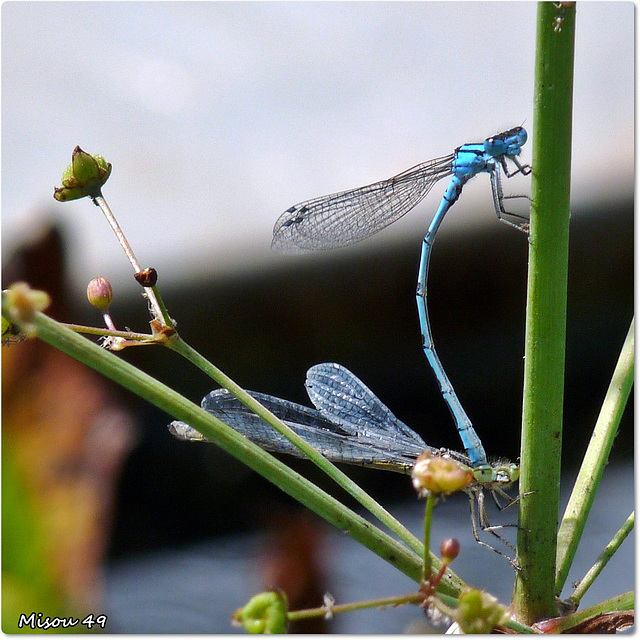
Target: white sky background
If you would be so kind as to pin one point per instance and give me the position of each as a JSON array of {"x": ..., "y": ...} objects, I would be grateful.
[{"x": 219, "y": 116}]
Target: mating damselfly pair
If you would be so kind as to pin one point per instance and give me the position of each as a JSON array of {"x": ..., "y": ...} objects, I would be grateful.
[{"x": 350, "y": 424}]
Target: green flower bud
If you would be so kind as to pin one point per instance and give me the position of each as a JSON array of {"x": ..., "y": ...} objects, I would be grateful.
[
  {"x": 479, "y": 612},
  {"x": 264, "y": 613},
  {"x": 83, "y": 177}
]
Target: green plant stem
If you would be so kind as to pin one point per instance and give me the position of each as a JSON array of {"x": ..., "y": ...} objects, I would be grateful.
[
  {"x": 392, "y": 601},
  {"x": 546, "y": 315},
  {"x": 602, "y": 560},
  {"x": 101, "y": 203},
  {"x": 518, "y": 627},
  {"x": 101, "y": 331},
  {"x": 109, "y": 365},
  {"x": 159, "y": 310},
  {"x": 595, "y": 460},
  {"x": 428, "y": 519},
  {"x": 161, "y": 305}
]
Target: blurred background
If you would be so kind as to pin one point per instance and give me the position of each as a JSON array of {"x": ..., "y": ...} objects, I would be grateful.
[{"x": 217, "y": 117}]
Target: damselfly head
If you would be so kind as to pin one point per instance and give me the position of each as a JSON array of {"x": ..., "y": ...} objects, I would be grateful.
[
  {"x": 507, "y": 473},
  {"x": 498, "y": 473},
  {"x": 506, "y": 143}
]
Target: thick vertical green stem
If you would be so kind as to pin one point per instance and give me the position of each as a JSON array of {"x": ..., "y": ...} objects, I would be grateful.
[{"x": 546, "y": 313}]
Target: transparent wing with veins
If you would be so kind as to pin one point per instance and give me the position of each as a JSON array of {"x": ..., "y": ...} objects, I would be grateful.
[
  {"x": 350, "y": 425},
  {"x": 347, "y": 217}
]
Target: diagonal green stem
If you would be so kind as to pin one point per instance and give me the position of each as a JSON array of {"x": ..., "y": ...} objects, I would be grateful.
[
  {"x": 250, "y": 454},
  {"x": 331, "y": 609},
  {"x": 602, "y": 560},
  {"x": 595, "y": 460},
  {"x": 328, "y": 467}
]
